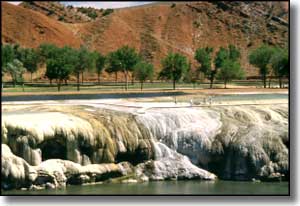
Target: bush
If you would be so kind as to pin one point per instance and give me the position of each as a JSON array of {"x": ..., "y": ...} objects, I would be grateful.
[
  {"x": 90, "y": 12},
  {"x": 61, "y": 18},
  {"x": 173, "y": 5},
  {"x": 107, "y": 12},
  {"x": 196, "y": 24},
  {"x": 92, "y": 15},
  {"x": 50, "y": 12}
]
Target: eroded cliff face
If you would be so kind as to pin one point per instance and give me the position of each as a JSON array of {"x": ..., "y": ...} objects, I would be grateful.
[{"x": 55, "y": 145}]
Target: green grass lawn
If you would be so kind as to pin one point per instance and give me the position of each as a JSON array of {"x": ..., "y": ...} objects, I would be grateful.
[{"x": 135, "y": 86}]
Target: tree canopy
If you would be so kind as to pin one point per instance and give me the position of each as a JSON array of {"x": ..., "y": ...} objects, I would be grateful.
[
  {"x": 113, "y": 63},
  {"x": 30, "y": 58},
  {"x": 223, "y": 54},
  {"x": 174, "y": 66},
  {"x": 230, "y": 70},
  {"x": 260, "y": 58},
  {"x": 7, "y": 55},
  {"x": 16, "y": 71},
  {"x": 99, "y": 61},
  {"x": 46, "y": 51},
  {"x": 143, "y": 71},
  {"x": 280, "y": 64},
  {"x": 204, "y": 58},
  {"x": 124, "y": 60},
  {"x": 227, "y": 64},
  {"x": 61, "y": 65}
]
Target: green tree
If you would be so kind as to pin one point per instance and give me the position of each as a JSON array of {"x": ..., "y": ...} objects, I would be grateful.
[
  {"x": 260, "y": 58},
  {"x": 46, "y": 51},
  {"x": 113, "y": 64},
  {"x": 127, "y": 58},
  {"x": 221, "y": 56},
  {"x": 203, "y": 57},
  {"x": 7, "y": 55},
  {"x": 230, "y": 70},
  {"x": 30, "y": 59},
  {"x": 61, "y": 65},
  {"x": 225, "y": 59},
  {"x": 280, "y": 64},
  {"x": 233, "y": 52},
  {"x": 99, "y": 60},
  {"x": 143, "y": 71},
  {"x": 17, "y": 51},
  {"x": 16, "y": 71},
  {"x": 191, "y": 75},
  {"x": 84, "y": 62},
  {"x": 174, "y": 67}
]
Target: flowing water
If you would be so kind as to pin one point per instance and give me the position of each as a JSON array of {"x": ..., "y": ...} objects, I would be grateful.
[{"x": 169, "y": 188}]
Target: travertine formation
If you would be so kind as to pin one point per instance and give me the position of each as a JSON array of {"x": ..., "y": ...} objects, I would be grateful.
[{"x": 54, "y": 145}]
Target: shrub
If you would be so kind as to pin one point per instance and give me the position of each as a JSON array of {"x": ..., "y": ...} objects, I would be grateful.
[
  {"x": 107, "y": 12},
  {"x": 92, "y": 14},
  {"x": 61, "y": 18}
]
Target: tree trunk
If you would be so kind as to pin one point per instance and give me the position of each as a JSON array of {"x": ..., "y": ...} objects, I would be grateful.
[
  {"x": 66, "y": 82},
  {"x": 142, "y": 85},
  {"x": 50, "y": 81},
  {"x": 211, "y": 81},
  {"x": 265, "y": 81},
  {"x": 13, "y": 79},
  {"x": 174, "y": 84},
  {"x": 116, "y": 77},
  {"x": 14, "y": 82},
  {"x": 78, "y": 81},
  {"x": 58, "y": 85},
  {"x": 225, "y": 83},
  {"x": 280, "y": 82},
  {"x": 31, "y": 77},
  {"x": 126, "y": 79},
  {"x": 132, "y": 79},
  {"x": 98, "y": 78},
  {"x": 82, "y": 77},
  {"x": 269, "y": 82}
]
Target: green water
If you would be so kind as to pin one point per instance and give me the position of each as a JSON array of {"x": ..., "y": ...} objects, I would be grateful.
[{"x": 192, "y": 187}]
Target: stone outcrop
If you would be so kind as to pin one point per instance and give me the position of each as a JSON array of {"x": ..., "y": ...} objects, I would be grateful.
[{"x": 54, "y": 145}]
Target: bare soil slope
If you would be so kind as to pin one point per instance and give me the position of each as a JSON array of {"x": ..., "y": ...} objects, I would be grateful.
[
  {"x": 158, "y": 28},
  {"x": 29, "y": 28}
]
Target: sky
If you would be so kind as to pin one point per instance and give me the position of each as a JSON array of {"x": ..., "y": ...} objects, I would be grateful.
[{"x": 99, "y": 4}]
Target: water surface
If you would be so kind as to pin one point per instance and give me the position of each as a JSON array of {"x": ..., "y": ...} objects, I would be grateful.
[{"x": 169, "y": 188}]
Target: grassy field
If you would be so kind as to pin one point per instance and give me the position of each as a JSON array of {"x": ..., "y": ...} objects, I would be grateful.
[{"x": 110, "y": 86}]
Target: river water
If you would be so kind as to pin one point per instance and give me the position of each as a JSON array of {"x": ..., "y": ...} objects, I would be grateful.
[{"x": 169, "y": 188}]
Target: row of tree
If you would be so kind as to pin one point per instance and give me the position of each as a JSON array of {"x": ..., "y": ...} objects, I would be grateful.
[
  {"x": 16, "y": 60},
  {"x": 226, "y": 64},
  {"x": 271, "y": 60},
  {"x": 63, "y": 62}
]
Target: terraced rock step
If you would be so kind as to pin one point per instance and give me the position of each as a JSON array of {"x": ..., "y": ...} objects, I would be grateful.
[{"x": 51, "y": 145}]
